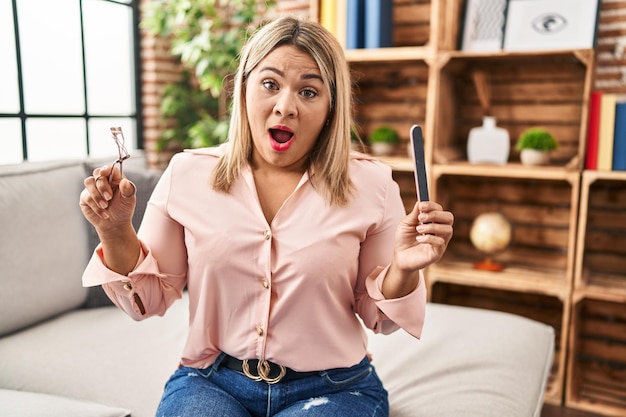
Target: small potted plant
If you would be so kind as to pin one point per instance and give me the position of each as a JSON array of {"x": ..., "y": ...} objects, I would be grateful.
[
  {"x": 535, "y": 145},
  {"x": 384, "y": 141}
]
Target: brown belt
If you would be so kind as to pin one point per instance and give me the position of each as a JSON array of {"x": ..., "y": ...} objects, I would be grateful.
[{"x": 262, "y": 370}]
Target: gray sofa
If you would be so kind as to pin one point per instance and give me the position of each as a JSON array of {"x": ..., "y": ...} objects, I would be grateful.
[{"x": 65, "y": 351}]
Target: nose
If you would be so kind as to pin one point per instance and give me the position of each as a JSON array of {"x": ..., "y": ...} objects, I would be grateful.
[{"x": 286, "y": 104}]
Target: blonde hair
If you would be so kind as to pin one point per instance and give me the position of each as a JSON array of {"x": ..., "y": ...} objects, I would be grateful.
[{"x": 331, "y": 153}]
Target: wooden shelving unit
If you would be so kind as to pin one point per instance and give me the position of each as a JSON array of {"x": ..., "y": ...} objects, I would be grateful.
[
  {"x": 597, "y": 339},
  {"x": 566, "y": 264},
  {"x": 597, "y": 359}
]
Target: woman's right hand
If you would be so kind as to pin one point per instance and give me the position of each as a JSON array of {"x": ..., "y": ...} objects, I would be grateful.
[{"x": 108, "y": 206}]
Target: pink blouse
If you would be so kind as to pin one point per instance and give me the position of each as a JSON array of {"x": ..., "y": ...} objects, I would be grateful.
[{"x": 288, "y": 292}]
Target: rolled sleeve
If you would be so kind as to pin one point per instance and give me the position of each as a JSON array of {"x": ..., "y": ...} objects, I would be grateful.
[
  {"x": 406, "y": 312},
  {"x": 142, "y": 293}
]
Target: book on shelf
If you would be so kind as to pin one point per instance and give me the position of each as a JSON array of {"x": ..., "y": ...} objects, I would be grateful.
[
  {"x": 341, "y": 17},
  {"x": 593, "y": 130},
  {"x": 619, "y": 138},
  {"x": 378, "y": 23},
  {"x": 359, "y": 23},
  {"x": 328, "y": 15},
  {"x": 606, "y": 131},
  {"x": 355, "y": 24}
]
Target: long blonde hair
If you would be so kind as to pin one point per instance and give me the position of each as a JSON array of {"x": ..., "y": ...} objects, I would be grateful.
[{"x": 330, "y": 155}]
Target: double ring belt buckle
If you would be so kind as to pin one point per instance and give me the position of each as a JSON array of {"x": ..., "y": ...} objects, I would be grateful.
[{"x": 263, "y": 369}]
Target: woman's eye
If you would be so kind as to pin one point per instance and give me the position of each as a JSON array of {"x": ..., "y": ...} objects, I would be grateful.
[
  {"x": 269, "y": 84},
  {"x": 308, "y": 93}
]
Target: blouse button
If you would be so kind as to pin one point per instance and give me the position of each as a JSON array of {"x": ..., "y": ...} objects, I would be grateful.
[
  {"x": 267, "y": 234},
  {"x": 266, "y": 283},
  {"x": 259, "y": 330},
  {"x": 128, "y": 286}
]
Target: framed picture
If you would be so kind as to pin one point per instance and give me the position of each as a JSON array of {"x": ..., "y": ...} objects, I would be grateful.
[
  {"x": 483, "y": 25},
  {"x": 533, "y": 25}
]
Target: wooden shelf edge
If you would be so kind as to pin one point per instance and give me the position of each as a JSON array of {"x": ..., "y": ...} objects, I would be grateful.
[
  {"x": 594, "y": 407},
  {"x": 510, "y": 170},
  {"x": 510, "y": 279},
  {"x": 592, "y": 175},
  {"x": 428, "y": 52},
  {"x": 582, "y": 55},
  {"x": 615, "y": 295},
  {"x": 404, "y": 53}
]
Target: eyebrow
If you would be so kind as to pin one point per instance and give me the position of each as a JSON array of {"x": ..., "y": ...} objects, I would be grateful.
[{"x": 282, "y": 74}]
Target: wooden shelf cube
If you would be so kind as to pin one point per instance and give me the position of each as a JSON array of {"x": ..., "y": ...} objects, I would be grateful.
[
  {"x": 597, "y": 358},
  {"x": 601, "y": 247},
  {"x": 543, "y": 215},
  {"x": 412, "y": 23},
  {"x": 525, "y": 90},
  {"x": 393, "y": 95}
]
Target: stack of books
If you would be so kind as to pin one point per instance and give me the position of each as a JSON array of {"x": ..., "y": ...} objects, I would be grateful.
[
  {"x": 606, "y": 135},
  {"x": 359, "y": 23}
]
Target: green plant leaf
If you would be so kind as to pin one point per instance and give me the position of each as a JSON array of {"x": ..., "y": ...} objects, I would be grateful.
[
  {"x": 384, "y": 134},
  {"x": 206, "y": 35},
  {"x": 537, "y": 138}
]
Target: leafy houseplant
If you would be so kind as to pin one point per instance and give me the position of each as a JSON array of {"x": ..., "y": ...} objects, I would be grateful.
[
  {"x": 535, "y": 145},
  {"x": 384, "y": 140},
  {"x": 192, "y": 110},
  {"x": 206, "y": 35}
]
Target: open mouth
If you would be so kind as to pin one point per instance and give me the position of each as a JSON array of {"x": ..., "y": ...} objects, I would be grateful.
[{"x": 281, "y": 138}]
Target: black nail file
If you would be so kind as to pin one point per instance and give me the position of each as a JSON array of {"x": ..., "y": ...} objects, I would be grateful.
[{"x": 421, "y": 182}]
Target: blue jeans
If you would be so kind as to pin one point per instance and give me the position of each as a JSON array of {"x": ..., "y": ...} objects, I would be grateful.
[{"x": 218, "y": 391}]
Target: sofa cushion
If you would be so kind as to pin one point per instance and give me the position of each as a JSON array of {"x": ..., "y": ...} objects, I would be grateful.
[
  {"x": 468, "y": 363},
  {"x": 99, "y": 355},
  {"x": 42, "y": 263},
  {"x": 30, "y": 404}
]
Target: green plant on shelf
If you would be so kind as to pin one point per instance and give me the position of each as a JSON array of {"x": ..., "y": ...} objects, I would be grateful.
[
  {"x": 383, "y": 141},
  {"x": 537, "y": 138},
  {"x": 384, "y": 134}
]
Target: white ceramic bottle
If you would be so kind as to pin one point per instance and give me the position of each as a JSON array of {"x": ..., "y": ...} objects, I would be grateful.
[{"x": 488, "y": 143}]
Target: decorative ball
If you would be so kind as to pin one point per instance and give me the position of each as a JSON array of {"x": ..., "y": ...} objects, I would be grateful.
[{"x": 490, "y": 232}]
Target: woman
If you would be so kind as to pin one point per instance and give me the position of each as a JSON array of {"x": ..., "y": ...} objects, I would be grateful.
[{"x": 283, "y": 239}]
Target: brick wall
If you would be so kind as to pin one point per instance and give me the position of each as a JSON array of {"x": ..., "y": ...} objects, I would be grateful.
[
  {"x": 160, "y": 69},
  {"x": 610, "y": 73}
]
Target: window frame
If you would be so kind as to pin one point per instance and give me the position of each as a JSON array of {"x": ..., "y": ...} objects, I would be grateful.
[{"x": 136, "y": 116}]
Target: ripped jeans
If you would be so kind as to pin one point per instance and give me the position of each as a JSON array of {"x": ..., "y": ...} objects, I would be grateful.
[{"x": 221, "y": 392}]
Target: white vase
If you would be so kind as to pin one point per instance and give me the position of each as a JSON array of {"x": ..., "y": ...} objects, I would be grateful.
[
  {"x": 383, "y": 148},
  {"x": 534, "y": 157},
  {"x": 488, "y": 143}
]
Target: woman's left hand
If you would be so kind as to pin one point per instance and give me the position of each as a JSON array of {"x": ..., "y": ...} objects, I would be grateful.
[
  {"x": 423, "y": 236},
  {"x": 421, "y": 239}
]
